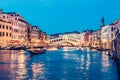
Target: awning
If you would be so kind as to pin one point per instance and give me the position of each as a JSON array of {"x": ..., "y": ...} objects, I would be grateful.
[{"x": 15, "y": 41}]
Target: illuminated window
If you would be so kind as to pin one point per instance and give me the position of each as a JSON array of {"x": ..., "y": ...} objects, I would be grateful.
[{"x": 10, "y": 35}]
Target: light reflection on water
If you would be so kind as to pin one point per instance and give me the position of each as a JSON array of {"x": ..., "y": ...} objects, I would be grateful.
[
  {"x": 57, "y": 65},
  {"x": 105, "y": 62},
  {"x": 38, "y": 70},
  {"x": 12, "y": 63}
]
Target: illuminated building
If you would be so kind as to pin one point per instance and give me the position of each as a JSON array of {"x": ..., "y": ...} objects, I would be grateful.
[
  {"x": 28, "y": 35},
  {"x": 87, "y": 37},
  {"x": 95, "y": 39},
  {"x": 18, "y": 28},
  {"x": 116, "y": 24},
  {"x": 5, "y": 29},
  {"x": 106, "y": 36},
  {"x": 82, "y": 41},
  {"x": 16, "y": 31},
  {"x": 43, "y": 36},
  {"x": 34, "y": 34}
]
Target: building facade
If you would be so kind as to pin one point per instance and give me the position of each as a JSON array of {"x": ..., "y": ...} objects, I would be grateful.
[
  {"x": 5, "y": 29},
  {"x": 34, "y": 34},
  {"x": 106, "y": 36},
  {"x": 82, "y": 40},
  {"x": 116, "y": 24},
  {"x": 16, "y": 31},
  {"x": 18, "y": 28},
  {"x": 95, "y": 39},
  {"x": 87, "y": 37}
]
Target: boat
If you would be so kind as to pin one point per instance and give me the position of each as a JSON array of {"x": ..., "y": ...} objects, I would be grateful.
[
  {"x": 40, "y": 50},
  {"x": 37, "y": 51}
]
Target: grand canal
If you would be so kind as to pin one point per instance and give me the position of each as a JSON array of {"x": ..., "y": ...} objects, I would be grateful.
[{"x": 57, "y": 65}]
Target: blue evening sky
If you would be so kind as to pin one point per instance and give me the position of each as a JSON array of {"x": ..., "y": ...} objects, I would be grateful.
[{"x": 55, "y": 16}]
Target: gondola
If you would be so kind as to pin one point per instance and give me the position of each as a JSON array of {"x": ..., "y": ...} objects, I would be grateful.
[{"x": 34, "y": 52}]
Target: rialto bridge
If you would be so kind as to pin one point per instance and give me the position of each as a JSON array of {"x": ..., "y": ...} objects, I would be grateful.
[{"x": 65, "y": 41}]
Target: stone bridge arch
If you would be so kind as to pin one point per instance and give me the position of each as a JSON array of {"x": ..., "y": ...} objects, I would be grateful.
[
  {"x": 65, "y": 43},
  {"x": 62, "y": 40}
]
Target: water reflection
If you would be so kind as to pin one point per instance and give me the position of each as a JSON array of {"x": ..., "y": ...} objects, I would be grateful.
[
  {"x": 118, "y": 67},
  {"x": 88, "y": 62},
  {"x": 70, "y": 55},
  {"x": 38, "y": 70},
  {"x": 82, "y": 61},
  {"x": 57, "y": 65},
  {"x": 105, "y": 59},
  {"x": 13, "y": 64}
]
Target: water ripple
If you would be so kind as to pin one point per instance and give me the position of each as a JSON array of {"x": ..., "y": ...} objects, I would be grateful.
[{"x": 57, "y": 65}]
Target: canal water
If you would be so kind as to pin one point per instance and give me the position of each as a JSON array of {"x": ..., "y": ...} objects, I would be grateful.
[{"x": 57, "y": 65}]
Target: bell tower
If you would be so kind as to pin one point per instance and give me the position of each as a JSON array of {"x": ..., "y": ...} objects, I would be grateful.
[{"x": 102, "y": 22}]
